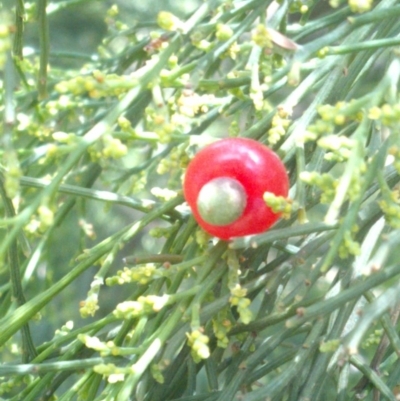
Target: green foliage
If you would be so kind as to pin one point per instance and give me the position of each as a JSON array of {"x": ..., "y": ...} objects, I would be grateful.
[{"x": 108, "y": 288}]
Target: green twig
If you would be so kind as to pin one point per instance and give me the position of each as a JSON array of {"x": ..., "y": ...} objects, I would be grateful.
[
  {"x": 373, "y": 377},
  {"x": 44, "y": 49},
  {"x": 28, "y": 348},
  {"x": 367, "y": 45},
  {"x": 19, "y": 29},
  {"x": 283, "y": 233}
]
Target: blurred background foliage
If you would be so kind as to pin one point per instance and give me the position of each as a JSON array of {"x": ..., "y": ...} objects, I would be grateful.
[{"x": 78, "y": 124}]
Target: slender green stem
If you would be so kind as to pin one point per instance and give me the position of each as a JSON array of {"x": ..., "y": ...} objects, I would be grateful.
[
  {"x": 353, "y": 292},
  {"x": 367, "y": 45},
  {"x": 89, "y": 193},
  {"x": 45, "y": 367},
  {"x": 28, "y": 348},
  {"x": 143, "y": 362},
  {"x": 44, "y": 48},
  {"x": 19, "y": 29},
  {"x": 387, "y": 11},
  {"x": 283, "y": 233},
  {"x": 373, "y": 377}
]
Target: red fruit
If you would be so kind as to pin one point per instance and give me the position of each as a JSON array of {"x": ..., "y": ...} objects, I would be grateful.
[{"x": 225, "y": 183}]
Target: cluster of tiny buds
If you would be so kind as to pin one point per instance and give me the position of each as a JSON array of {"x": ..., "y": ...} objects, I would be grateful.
[
  {"x": 97, "y": 85},
  {"x": 279, "y": 124},
  {"x": 176, "y": 160},
  {"x": 107, "y": 148},
  {"x": 390, "y": 206},
  {"x": 349, "y": 246},
  {"x": 10, "y": 385},
  {"x": 262, "y": 37},
  {"x": 12, "y": 174},
  {"x": 299, "y": 6},
  {"x": 339, "y": 147},
  {"x": 142, "y": 306},
  {"x": 373, "y": 339},
  {"x": 103, "y": 348},
  {"x": 169, "y": 22},
  {"x": 198, "y": 342},
  {"x": 142, "y": 274},
  {"x": 40, "y": 222},
  {"x": 238, "y": 299},
  {"x": 279, "y": 204},
  {"x": 112, "y": 372},
  {"x": 360, "y": 6},
  {"x": 325, "y": 182},
  {"x": 89, "y": 306},
  {"x": 221, "y": 327},
  {"x": 388, "y": 114}
]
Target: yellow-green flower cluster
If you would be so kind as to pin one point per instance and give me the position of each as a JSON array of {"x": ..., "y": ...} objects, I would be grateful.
[
  {"x": 299, "y": 6},
  {"x": 65, "y": 329},
  {"x": 325, "y": 182},
  {"x": 202, "y": 238},
  {"x": 64, "y": 102},
  {"x": 390, "y": 206},
  {"x": 141, "y": 274},
  {"x": 200, "y": 41},
  {"x": 221, "y": 327},
  {"x": 223, "y": 32},
  {"x": 336, "y": 3},
  {"x": 12, "y": 173},
  {"x": 360, "y": 6},
  {"x": 191, "y": 103},
  {"x": 65, "y": 138},
  {"x": 356, "y": 182},
  {"x": 238, "y": 299},
  {"x": 97, "y": 85},
  {"x": 238, "y": 294},
  {"x": 233, "y": 51},
  {"x": 198, "y": 342},
  {"x": 143, "y": 306},
  {"x": 261, "y": 37},
  {"x": 113, "y": 148},
  {"x": 177, "y": 160},
  {"x": 112, "y": 372},
  {"x": 15, "y": 383},
  {"x": 89, "y": 306},
  {"x": 160, "y": 232},
  {"x": 158, "y": 121},
  {"x": 279, "y": 204},
  {"x": 314, "y": 131},
  {"x": 279, "y": 124},
  {"x": 339, "y": 147},
  {"x": 165, "y": 194},
  {"x": 5, "y": 39},
  {"x": 338, "y": 113},
  {"x": 169, "y": 21},
  {"x": 373, "y": 339},
  {"x": 387, "y": 113},
  {"x": 156, "y": 372},
  {"x": 111, "y": 19},
  {"x": 349, "y": 246},
  {"x": 46, "y": 216},
  {"x": 28, "y": 125},
  {"x": 103, "y": 348},
  {"x": 40, "y": 222},
  {"x": 107, "y": 148}
]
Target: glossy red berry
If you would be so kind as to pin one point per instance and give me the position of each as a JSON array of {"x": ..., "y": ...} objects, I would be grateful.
[{"x": 225, "y": 183}]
